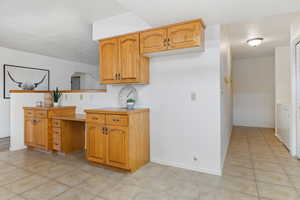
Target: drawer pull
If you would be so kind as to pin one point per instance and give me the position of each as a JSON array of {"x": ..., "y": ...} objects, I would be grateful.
[
  {"x": 94, "y": 118},
  {"x": 116, "y": 120}
]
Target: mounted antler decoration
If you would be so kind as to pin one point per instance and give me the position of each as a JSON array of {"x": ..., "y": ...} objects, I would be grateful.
[{"x": 26, "y": 86}]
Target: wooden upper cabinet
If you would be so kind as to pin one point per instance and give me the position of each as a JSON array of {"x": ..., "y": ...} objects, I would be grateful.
[
  {"x": 177, "y": 36},
  {"x": 153, "y": 40},
  {"x": 122, "y": 58},
  {"x": 121, "y": 62},
  {"x": 129, "y": 57},
  {"x": 109, "y": 60},
  {"x": 184, "y": 35}
]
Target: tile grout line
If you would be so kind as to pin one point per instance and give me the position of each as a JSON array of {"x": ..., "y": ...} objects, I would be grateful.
[
  {"x": 252, "y": 162},
  {"x": 289, "y": 179}
]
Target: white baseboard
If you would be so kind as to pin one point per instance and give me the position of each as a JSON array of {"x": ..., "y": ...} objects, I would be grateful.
[
  {"x": 12, "y": 148},
  {"x": 183, "y": 166}
]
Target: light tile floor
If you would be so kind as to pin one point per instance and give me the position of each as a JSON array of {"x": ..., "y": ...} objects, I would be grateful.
[{"x": 257, "y": 167}]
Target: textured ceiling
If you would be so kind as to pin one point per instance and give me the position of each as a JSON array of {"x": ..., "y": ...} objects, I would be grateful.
[
  {"x": 275, "y": 31},
  {"x": 62, "y": 28},
  {"x": 160, "y": 12},
  {"x": 58, "y": 28}
]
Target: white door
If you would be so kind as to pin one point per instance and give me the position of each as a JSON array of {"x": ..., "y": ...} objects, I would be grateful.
[{"x": 297, "y": 62}]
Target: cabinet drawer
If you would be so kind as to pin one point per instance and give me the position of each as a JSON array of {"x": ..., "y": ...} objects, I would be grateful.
[
  {"x": 56, "y": 138},
  {"x": 56, "y": 146},
  {"x": 56, "y": 123},
  {"x": 96, "y": 118},
  {"x": 29, "y": 113},
  {"x": 118, "y": 120},
  {"x": 40, "y": 114},
  {"x": 56, "y": 131}
]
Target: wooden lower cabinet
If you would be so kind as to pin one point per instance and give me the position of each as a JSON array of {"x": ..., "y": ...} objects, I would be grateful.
[
  {"x": 116, "y": 143},
  {"x": 38, "y": 125},
  {"x": 35, "y": 132},
  {"x": 96, "y": 143}
]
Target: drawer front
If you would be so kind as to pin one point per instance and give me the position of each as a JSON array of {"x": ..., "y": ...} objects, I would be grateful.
[
  {"x": 96, "y": 118},
  {"x": 56, "y": 123},
  {"x": 56, "y": 138},
  {"x": 117, "y": 120},
  {"x": 56, "y": 146},
  {"x": 40, "y": 114},
  {"x": 56, "y": 131},
  {"x": 29, "y": 113}
]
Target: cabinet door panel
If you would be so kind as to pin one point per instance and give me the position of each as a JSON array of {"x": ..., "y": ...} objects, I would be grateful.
[
  {"x": 184, "y": 35},
  {"x": 108, "y": 60},
  {"x": 96, "y": 143},
  {"x": 129, "y": 56},
  {"x": 29, "y": 131},
  {"x": 153, "y": 40},
  {"x": 117, "y": 149},
  {"x": 40, "y": 132}
]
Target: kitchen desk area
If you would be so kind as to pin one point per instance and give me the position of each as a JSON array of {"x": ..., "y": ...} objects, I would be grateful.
[{"x": 112, "y": 137}]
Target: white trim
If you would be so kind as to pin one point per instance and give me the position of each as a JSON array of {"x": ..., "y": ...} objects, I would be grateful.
[
  {"x": 183, "y": 166},
  {"x": 294, "y": 143},
  {"x": 11, "y": 148},
  {"x": 225, "y": 152}
]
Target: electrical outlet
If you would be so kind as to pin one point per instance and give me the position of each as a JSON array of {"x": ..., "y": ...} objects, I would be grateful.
[
  {"x": 66, "y": 97},
  {"x": 81, "y": 97},
  {"x": 193, "y": 96}
]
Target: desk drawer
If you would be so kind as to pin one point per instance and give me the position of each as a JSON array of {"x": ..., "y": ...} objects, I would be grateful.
[
  {"x": 56, "y": 146},
  {"x": 56, "y": 138},
  {"x": 29, "y": 113},
  {"x": 56, "y": 131},
  {"x": 40, "y": 114},
  {"x": 117, "y": 120},
  {"x": 56, "y": 123},
  {"x": 96, "y": 118}
]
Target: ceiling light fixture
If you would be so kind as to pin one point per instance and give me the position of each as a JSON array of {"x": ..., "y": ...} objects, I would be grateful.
[{"x": 254, "y": 42}]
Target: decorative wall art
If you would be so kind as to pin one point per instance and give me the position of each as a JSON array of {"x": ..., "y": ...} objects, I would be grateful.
[{"x": 24, "y": 78}]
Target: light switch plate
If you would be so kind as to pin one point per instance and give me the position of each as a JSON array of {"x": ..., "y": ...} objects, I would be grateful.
[{"x": 193, "y": 96}]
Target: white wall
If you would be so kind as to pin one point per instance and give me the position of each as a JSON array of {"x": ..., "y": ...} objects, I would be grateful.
[
  {"x": 118, "y": 25},
  {"x": 282, "y": 75},
  {"x": 180, "y": 129},
  {"x": 253, "y": 89},
  {"x": 226, "y": 97},
  {"x": 282, "y": 93},
  {"x": 60, "y": 73}
]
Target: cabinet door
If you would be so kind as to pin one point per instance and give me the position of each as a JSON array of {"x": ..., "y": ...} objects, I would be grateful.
[
  {"x": 117, "y": 147},
  {"x": 108, "y": 60},
  {"x": 40, "y": 132},
  {"x": 129, "y": 57},
  {"x": 96, "y": 143},
  {"x": 153, "y": 40},
  {"x": 29, "y": 131},
  {"x": 184, "y": 35}
]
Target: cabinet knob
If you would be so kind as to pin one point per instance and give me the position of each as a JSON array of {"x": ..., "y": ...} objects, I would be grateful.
[{"x": 165, "y": 42}]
